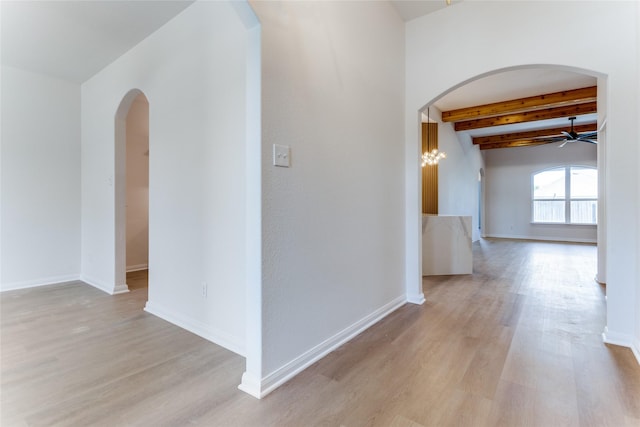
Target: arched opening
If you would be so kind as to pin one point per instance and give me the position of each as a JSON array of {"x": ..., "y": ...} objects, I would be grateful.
[
  {"x": 137, "y": 193},
  {"x": 131, "y": 182},
  {"x": 479, "y": 187}
]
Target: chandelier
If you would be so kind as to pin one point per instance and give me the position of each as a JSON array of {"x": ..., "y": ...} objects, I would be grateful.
[{"x": 432, "y": 157}]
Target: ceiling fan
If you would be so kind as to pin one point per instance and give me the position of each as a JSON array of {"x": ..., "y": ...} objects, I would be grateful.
[{"x": 573, "y": 136}]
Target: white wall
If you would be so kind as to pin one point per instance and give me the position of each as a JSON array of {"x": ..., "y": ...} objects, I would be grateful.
[
  {"x": 508, "y": 191},
  {"x": 469, "y": 29},
  {"x": 137, "y": 177},
  {"x": 193, "y": 73},
  {"x": 637, "y": 334},
  {"x": 332, "y": 84},
  {"x": 40, "y": 196},
  {"x": 458, "y": 174}
]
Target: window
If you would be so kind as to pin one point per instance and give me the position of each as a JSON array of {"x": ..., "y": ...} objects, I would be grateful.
[{"x": 566, "y": 195}]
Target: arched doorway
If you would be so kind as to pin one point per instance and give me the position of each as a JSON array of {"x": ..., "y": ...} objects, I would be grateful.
[
  {"x": 131, "y": 186},
  {"x": 414, "y": 254},
  {"x": 137, "y": 193}
]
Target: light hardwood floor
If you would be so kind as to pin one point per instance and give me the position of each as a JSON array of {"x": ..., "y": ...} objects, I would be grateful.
[{"x": 518, "y": 343}]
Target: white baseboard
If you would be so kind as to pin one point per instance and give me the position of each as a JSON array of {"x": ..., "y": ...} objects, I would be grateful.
[
  {"x": 614, "y": 338},
  {"x": 623, "y": 340},
  {"x": 104, "y": 287},
  {"x": 197, "y": 327},
  {"x": 416, "y": 299},
  {"x": 636, "y": 349},
  {"x": 251, "y": 385},
  {"x": 120, "y": 289},
  {"x": 261, "y": 388},
  {"x": 598, "y": 281},
  {"x": 137, "y": 267},
  {"x": 541, "y": 238},
  {"x": 45, "y": 281}
]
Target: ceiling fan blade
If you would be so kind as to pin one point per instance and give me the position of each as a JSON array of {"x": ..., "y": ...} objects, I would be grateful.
[
  {"x": 604, "y": 123},
  {"x": 549, "y": 138},
  {"x": 563, "y": 144},
  {"x": 590, "y": 141},
  {"x": 588, "y": 135},
  {"x": 567, "y": 135}
]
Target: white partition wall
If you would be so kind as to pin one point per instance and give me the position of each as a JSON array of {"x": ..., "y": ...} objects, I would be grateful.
[
  {"x": 332, "y": 241},
  {"x": 193, "y": 73}
]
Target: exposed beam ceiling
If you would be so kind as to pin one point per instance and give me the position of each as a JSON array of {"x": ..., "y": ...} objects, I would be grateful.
[
  {"x": 528, "y": 116},
  {"x": 522, "y": 139},
  {"x": 531, "y": 103},
  {"x": 533, "y": 134},
  {"x": 562, "y": 104}
]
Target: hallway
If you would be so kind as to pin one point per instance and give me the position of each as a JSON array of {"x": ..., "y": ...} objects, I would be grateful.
[{"x": 516, "y": 343}]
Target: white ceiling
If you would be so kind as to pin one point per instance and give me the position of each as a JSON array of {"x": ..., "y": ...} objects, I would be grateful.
[
  {"x": 412, "y": 9},
  {"x": 73, "y": 40},
  {"x": 513, "y": 84}
]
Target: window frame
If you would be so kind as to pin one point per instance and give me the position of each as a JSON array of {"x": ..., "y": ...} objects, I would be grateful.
[{"x": 567, "y": 199}]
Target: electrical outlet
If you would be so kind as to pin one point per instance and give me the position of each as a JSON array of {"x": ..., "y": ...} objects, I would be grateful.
[{"x": 205, "y": 289}]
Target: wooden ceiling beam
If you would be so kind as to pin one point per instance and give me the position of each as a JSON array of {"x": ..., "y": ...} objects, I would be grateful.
[
  {"x": 528, "y": 116},
  {"x": 539, "y": 102},
  {"x": 531, "y": 135}
]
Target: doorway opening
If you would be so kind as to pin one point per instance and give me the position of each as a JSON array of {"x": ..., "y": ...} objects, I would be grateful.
[
  {"x": 472, "y": 183},
  {"x": 132, "y": 192},
  {"x": 137, "y": 189}
]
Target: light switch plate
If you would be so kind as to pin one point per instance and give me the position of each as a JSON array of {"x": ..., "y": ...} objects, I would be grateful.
[{"x": 281, "y": 155}]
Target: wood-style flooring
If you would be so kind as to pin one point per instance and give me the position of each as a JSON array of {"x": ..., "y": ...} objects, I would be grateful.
[{"x": 518, "y": 343}]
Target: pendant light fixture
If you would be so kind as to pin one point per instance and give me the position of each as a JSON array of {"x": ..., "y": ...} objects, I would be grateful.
[{"x": 431, "y": 158}]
